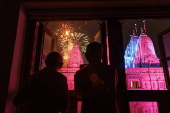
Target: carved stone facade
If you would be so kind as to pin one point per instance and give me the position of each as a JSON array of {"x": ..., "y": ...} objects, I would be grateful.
[
  {"x": 75, "y": 59},
  {"x": 145, "y": 53},
  {"x": 74, "y": 62},
  {"x": 69, "y": 73},
  {"x": 143, "y": 107},
  {"x": 145, "y": 79},
  {"x": 143, "y": 71}
]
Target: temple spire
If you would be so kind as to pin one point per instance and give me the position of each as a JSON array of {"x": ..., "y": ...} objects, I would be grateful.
[
  {"x": 142, "y": 32},
  {"x": 144, "y": 26},
  {"x": 133, "y": 33},
  {"x": 76, "y": 41},
  {"x": 136, "y": 30}
]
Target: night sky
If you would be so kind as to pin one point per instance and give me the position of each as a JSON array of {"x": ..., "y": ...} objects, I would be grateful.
[{"x": 153, "y": 27}]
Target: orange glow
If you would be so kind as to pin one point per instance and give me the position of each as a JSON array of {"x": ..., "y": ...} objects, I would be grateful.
[
  {"x": 70, "y": 46},
  {"x": 68, "y": 50},
  {"x": 65, "y": 57},
  {"x": 66, "y": 32}
]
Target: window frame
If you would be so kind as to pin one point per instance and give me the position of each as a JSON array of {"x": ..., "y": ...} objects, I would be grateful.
[
  {"x": 164, "y": 60},
  {"x": 53, "y": 37}
]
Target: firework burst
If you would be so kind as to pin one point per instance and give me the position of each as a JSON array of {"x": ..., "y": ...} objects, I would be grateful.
[{"x": 67, "y": 37}]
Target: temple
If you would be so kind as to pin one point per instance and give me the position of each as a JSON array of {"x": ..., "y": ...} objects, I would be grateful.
[
  {"x": 140, "y": 51},
  {"x": 75, "y": 59},
  {"x": 73, "y": 64},
  {"x": 143, "y": 71}
]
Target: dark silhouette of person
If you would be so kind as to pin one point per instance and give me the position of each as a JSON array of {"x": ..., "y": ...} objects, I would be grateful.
[
  {"x": 46, "y": 91},
  {"x": 96, "y": 83}
]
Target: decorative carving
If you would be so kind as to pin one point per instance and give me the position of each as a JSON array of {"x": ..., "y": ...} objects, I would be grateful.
[{"x": 75, "y": 59}]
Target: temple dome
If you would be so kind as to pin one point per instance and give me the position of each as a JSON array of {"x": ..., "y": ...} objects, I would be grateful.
[{"x": 145, "y": 54}]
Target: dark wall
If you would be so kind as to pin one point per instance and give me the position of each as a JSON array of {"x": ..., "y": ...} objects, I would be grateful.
[
  {"x": 1, "y": 9},
  {"x": 9, "y": 20}
]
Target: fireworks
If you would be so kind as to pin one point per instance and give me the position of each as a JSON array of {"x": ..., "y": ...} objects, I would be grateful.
[{"x": 69, "y": 35}]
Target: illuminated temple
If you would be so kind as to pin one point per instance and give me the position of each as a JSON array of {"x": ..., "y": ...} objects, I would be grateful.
[
  {"x": 74, "y": 61},
  {"x": 143, "y": 71}
]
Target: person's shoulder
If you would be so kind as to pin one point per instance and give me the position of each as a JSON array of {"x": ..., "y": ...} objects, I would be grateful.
[
  {"x": 111, "y": 67},
  {"x": 51, "y": 72},
  {"x": 81, "y": 71},
  {"x": 108, "y": 67},
  {"x": 38, "y": 73},
  {"x": 57, "y": 74},
  {"x": 61, "y": 75}
]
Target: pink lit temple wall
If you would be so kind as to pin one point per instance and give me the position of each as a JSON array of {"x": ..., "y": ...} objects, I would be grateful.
[
  {"x": 79, "y": 103},
  {"x": 69, "y": 73},
  {"x": 143, "y": 107},
  {"x": 135, "y": 107},
  {"x": 145, "y": 79},
  {"x": 136, "y": 79},
  {"x": 74, "y": 61},
  {"x": 143, "y": 71}
]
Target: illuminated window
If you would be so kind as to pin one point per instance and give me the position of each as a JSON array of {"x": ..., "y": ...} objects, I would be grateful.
[{"x": 134, "y": 84}]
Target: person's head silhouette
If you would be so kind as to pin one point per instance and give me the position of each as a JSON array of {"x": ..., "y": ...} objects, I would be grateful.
[
  {"x": 94, "y": 52},
  {"x": 54, "y": 60}
]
